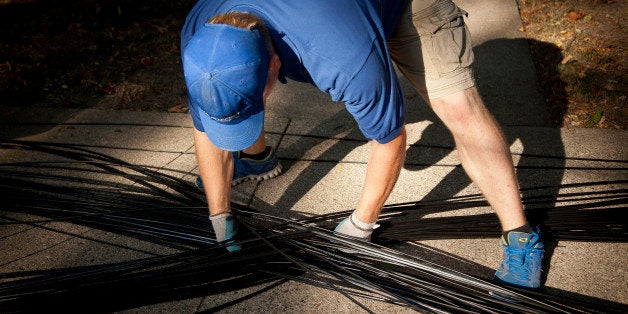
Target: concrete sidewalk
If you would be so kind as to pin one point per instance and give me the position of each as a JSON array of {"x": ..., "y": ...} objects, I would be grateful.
[{"x": 324, "y": 156}]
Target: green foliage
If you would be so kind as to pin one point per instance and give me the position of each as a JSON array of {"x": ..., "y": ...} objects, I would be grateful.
[{"x": 595, "y": 118}]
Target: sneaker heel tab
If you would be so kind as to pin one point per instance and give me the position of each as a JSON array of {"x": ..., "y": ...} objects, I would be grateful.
[{"x": 504, "y": 240}]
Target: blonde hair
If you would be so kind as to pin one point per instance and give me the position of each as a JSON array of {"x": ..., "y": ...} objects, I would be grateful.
[{"x": 247, "y": 21}]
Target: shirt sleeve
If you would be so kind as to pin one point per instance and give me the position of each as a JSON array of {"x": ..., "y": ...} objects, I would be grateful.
[{"x": 375, "y": 99}]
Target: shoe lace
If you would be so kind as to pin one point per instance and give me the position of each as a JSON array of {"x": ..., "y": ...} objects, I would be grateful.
[{"x": 525, "y": 261}]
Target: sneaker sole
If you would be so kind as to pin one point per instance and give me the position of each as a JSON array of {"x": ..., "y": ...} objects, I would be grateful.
[{"x": 259, "y": 177}]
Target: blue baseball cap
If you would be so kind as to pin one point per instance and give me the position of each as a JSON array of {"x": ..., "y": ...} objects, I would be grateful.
[{"x": 225, "y": 71}]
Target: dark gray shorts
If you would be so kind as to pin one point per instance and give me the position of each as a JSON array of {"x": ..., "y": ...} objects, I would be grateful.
[{"x": 432, "y": 48}]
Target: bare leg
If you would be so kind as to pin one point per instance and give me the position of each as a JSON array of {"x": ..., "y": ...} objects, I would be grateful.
[
  {"x": 382, "y": 171},
  {"x": 216, "y": 170},
  {"x": 257, "y": 147},
  {"x": 484, "y": 153}
]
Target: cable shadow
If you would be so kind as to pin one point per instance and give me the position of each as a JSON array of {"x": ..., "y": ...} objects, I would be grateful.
[
  {"x": 347, "y": 138},
  {"x": 75, "y": 191}
]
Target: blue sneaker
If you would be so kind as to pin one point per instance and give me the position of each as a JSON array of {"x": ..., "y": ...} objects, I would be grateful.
[
  {"x": 246, "y": 169},
  {"x": 232, "y": 226},
  {"x": 523, "y": 258}
]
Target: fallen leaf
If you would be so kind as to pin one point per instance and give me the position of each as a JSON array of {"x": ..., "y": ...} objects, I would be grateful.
[
  {"x": 5, "y": 67},
  {"x": 566, "y": 59},
  {"x": 610, "y": 85},
  {"x": 161, "y": 29},
  {"x": 573, "y": 16},
  {"x": 180, "y": 108},
  {"x": 594, "y": 119},
  {"x": 146, "y": 61},
  {"x": 108, "y": 90}
]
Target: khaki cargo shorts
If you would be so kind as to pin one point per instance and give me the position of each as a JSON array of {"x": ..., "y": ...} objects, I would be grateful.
[{"x": 432, "y": 48}]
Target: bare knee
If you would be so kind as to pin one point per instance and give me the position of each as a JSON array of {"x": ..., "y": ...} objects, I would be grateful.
[{"x": 463, "y": 111}]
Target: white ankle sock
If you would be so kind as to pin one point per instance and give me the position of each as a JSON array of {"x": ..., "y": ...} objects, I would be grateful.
[{"x": 356, "y": 228}]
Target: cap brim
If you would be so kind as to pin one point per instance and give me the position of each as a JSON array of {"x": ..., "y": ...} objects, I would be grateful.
[{"x": 234, "y": 137}]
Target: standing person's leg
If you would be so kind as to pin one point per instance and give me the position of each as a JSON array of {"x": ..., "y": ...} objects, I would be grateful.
[
  {"x": 485, "y": 157},
  {"x": 436, "y": 56},
  {"x": 483, "y": 153}
]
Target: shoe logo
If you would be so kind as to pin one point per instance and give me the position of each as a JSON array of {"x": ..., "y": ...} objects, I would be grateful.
[{"x": 524, "y": 240}]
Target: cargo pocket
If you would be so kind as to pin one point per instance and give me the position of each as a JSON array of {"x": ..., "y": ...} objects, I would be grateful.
[{"x": 444, "y": 37}]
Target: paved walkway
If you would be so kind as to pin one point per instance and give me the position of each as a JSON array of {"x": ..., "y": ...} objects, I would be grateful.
[{"x": 325, "y": 156}]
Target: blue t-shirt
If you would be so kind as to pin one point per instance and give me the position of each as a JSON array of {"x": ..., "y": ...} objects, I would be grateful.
[{"x": 337, "y": 45}]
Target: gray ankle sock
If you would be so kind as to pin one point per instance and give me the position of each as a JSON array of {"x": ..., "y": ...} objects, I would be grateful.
[
  {"x": 356, "y": 228},
  {"x": 219, "y": 222}
]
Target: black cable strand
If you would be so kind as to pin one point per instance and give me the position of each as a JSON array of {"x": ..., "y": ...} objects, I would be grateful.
[{"x": 205, "y": 270}]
